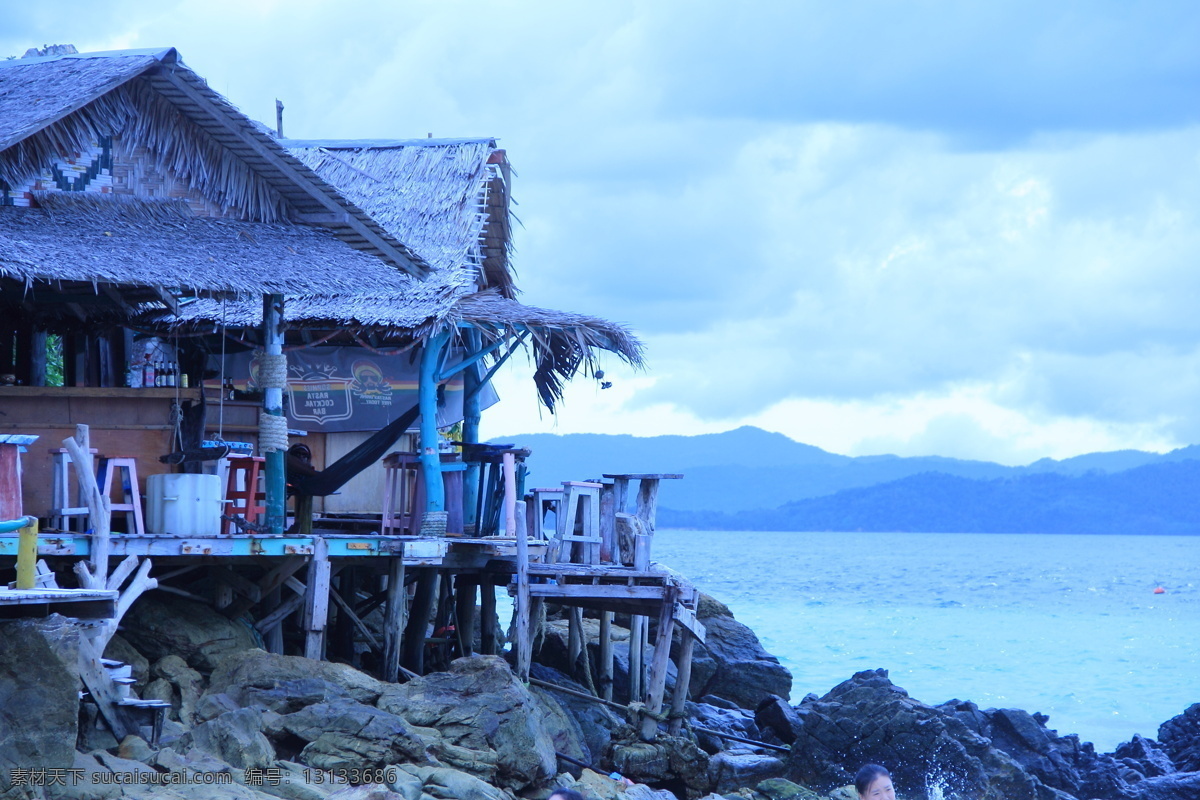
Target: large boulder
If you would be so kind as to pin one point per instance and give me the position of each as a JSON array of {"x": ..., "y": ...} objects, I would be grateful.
[
  {"x": 187, "y": 686},
  {"x": 288, "y": 683},
  {"x": 668, "y": 759},
  {"x": 159, "y": 625},
  {"x": 236, "y": 738},
  {"x": 869, "y": 719},
  {"x": 728, "y": 772},
  {"x": 727, "y": 719},
  {"x": 479, "y": 705},
  {"x": 346, "y": 734},
  {"x": 442, "y": 783},
  {"x": 1180, "y": 737},
  {"x": 781, "y": 720},
  {"x": 39, "y": 695},
  {"x": 578, "y": 728},
  {"x": 732, "y": 663}
]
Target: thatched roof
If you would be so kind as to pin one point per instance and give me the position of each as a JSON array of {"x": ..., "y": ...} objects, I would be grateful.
[
  {"x": 447, "y": 199},
  {"x": 56, "y": 104},
  {"x": 134, "y": 241},
  {"x": 563, "y": 343}
]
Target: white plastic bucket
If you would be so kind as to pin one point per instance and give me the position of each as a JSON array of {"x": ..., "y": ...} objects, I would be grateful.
[{"x": 183, "y": 505}]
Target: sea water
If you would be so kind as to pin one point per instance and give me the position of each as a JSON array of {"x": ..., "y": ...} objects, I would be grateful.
[{"x": 1066, "y": 625}]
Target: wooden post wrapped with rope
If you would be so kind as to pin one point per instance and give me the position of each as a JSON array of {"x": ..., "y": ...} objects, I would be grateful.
[{"x": 272, "y": 424}]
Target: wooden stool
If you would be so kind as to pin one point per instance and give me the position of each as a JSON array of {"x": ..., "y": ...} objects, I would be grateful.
[
  {"x": 401, "y": 488},
  {"x": 580, "y": 499},
  {"x": 537, "y": 503},
  {"x": 63, "y": 507},
  {"x": 132, "y": 503},
  {"x": 242, "y": 495}
]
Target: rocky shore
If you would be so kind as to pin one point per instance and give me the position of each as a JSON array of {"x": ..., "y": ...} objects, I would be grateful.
[{"x": 248, "y": 724}]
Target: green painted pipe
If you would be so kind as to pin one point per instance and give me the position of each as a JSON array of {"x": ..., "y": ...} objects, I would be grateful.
[{"x": 10, "y": 525}]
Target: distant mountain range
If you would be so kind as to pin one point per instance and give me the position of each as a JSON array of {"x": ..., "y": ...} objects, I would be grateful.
[{"x": 750, "y": 479}]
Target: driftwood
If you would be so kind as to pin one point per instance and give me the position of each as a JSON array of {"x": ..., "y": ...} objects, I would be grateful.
[{"x": 96, "y": 576}]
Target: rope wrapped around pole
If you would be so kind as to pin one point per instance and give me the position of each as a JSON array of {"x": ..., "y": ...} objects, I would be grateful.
[
  {"x": 272, "y": 371},
  {"x": 272, "y": 433}
]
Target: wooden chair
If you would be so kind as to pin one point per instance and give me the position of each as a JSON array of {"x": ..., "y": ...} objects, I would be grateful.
[{"x": 243, "y": 498}]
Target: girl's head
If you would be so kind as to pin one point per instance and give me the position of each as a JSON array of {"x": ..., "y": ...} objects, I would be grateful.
[{"x": 874, "y": 782}]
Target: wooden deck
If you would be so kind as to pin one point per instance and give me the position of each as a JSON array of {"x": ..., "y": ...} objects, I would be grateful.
[{"x": 78, "y": 603}]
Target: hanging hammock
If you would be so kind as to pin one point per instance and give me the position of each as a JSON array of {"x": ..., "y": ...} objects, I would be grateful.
[{"x": 336, "y": 475}]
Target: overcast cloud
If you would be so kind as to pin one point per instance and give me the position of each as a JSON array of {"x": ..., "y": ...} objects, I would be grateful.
[{"x": 967, "y": 229}]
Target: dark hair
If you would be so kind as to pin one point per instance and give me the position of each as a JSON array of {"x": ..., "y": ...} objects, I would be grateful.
[
  {"x": 567, "y": 794},
  {"x": 865, "y": 777}
]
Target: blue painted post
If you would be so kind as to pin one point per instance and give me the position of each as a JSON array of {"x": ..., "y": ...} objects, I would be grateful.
[
  {"x": 470, "y": 434},
  {"x": 431, "y": 358},
  {"x": 273, "y": 406}
]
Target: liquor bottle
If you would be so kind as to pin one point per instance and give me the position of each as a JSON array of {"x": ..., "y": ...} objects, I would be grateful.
[
  {"x": 148, "y": 375},
  {"x": 170, "y": 374}
]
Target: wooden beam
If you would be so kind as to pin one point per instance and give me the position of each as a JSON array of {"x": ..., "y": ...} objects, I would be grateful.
[
  {"x": 658, "y": 669},
  {"x": 418, "y": 620},
  {"x": 683, "y": 680},
  {"x": 316, "y": 600},
  {"x": 393, "y": 627},
  {"x": 487, "y": 610},
  {"x": 606, "y": 655},
  {"x": 465, "y": 587}
]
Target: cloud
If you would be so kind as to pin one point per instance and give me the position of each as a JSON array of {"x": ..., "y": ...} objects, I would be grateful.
[{"x": 844, "y": 208}]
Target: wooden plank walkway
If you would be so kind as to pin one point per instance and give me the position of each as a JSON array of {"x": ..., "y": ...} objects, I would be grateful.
[{"x": 78, "y": 603}]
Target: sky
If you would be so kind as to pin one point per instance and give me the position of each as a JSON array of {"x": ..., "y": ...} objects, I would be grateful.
[{"x": 955, "y": 228}]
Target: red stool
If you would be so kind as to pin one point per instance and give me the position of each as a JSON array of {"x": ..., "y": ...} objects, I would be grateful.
[
  {"x": 132, "y": 503},
  {"x": 243, "y": 498}
]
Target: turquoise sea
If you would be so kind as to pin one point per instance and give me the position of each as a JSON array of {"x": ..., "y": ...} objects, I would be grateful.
[{"x": 1062, "y": 624}]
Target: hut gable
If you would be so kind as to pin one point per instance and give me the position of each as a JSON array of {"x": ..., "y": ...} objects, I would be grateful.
[
  {"x": 142, "y": 123},
  {"x": 448, "y": 199}
]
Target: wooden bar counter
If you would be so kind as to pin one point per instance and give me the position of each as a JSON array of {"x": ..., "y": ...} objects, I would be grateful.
[{"x": 123, "y": 422}]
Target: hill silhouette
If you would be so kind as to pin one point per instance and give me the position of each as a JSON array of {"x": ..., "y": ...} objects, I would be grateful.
[{"x": 751, "y": 479}]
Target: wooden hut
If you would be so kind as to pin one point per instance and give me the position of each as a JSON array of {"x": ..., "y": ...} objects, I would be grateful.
[{"x": 135, "y": 200}]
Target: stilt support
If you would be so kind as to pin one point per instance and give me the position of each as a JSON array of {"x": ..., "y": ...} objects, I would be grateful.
[
  {"x": 393, "y": 629},
  {"x": 316, "y": 600}
]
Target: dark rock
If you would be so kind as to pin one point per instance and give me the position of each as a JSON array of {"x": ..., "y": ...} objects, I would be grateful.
[
  {"x": 441, "y": 782},
  {"x": 212, "y": 706},
  {"x": 728, "y": 772},
  {"x": 188, "y": 686},
  {"x": 159, "y": 625},
  {"x": 1038, "y": 750},
  {"x": 480, "y": 706},
  {"x": 732, "y": 663},
  {"x": 346, "y": 734},
  {"x": 1180, "y": 737},
  {"x": 287, "y": 683},
  {"x": 236, "y": 738},
  {"x": 39, "y": 695},
  {"x": 578, "y": 728},
  {"x": 775, "y": 715},
  {"x": 1180, "y": 786},
  {"x": 869, "y": 719},
  {"x": 736, "y": 721},
  {"x": 1147, "y": 755},
  {"x": 666, "y": 759},
  {"x": 782, "y": 789},
  {"x": 119, "y": 649}
]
